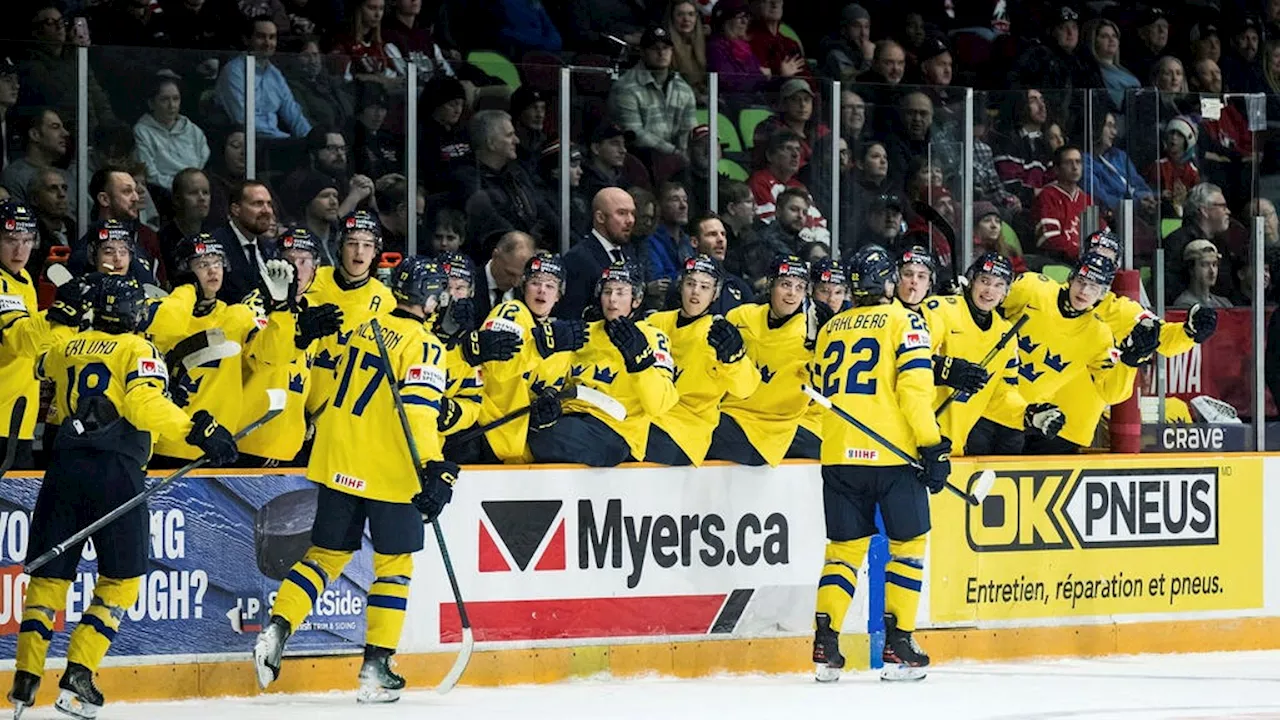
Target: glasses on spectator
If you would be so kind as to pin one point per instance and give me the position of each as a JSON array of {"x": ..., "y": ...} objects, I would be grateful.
[
  {"x": 52, "y": 21},
  {"x": 336, "y": 148}
]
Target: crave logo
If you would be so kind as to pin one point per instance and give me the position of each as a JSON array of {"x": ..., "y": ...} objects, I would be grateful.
[{"x": 515, "y": 534}]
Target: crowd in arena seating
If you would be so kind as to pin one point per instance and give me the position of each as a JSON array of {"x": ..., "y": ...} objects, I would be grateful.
[{"x": 1075, "y": 107}]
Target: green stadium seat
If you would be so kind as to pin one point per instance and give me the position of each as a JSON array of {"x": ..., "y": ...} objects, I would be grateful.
[
  {"x": 1010, "y": 237},
  {"x": 748, "y": 120},
  {"x": 495, "y": 65},
  {"x": 787, "y": 32},
  {"x": 729, "y": 140},
  {"x": 732, "y": 170},
  {"x": 1059, "y": 273},
  {"x": 1168, "y": 225}
]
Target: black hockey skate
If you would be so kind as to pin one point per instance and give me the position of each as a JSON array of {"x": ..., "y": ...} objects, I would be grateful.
[
  {"x": 23, "y": 694},
  {"x": 268, "y": 650},
  {"x": 79, "y": 697},
  {"x": 827, "y": 660},
  {"x": 904, "y": 659},
  {"x": 378, "y": 682}
]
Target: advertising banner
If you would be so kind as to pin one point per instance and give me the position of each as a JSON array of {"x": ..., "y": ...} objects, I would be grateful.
[
  {"x": 1100, "y": 536},
  {"x": 219, "y": 548},
  {"x": 1220, "y": 368}
]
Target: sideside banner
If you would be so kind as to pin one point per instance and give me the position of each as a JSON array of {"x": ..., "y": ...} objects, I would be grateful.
[{"x": 1098, "y": 537}]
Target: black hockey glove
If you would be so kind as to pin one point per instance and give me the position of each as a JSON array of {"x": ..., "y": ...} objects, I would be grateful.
[
  {"x": 725, "y": 339},
  {"x": 553, "y": 336},
  {"x": 544, "y": 411},
  {"x": 457, "y": 320},
  {"x": 71, "y": 303},
  {"x": 1141, "y": 343},
  {"x": 450, "y": 414},
  {"x": 1201, "y": 323},
  {"x": 958, "y": 373},
  {"x": 482, "y": 346},
  {"x": 936, "y": 461},
  {"x": 317, "y": 322},
  {"x": 1045, "y": 417},
  {"x": 637, "y": 354},
  {"x": 437, "y": 480},
  {"x": 214, "y": 440}
]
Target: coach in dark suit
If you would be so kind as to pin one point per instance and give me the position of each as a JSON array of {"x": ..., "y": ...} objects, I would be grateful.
[
  {"x": 249, "y": 216},
  {"x": 613, "y": 215},
  {"x": 498, "y": 280}
]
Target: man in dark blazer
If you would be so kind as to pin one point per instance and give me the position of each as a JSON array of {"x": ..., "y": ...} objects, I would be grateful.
[
  {"x": 249, "y": 217},
  {"x": 613, "y": 215},
  {"x": 498, "y": 279}
]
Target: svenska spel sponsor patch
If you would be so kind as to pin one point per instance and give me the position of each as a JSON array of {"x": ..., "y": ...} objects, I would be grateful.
[
  {"x": 12, "y": 303},
  {"x": 914, "y": 339},
  {"x": 152, "y": 368},
  {"x": 428, "y": 375}
]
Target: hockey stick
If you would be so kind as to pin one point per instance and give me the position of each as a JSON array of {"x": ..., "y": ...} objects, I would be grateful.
[
  {"x": 605, "y": 403},
  {"x": 203, "y": 347},
  {"x": 276, "y": 399},
  {"x": 985, "y": 479},
  {"x": 942, "y": 225},
  {"x": 1004, "y": 340},
  {"x": 15, "y": 426},
  {"x": 468, "y": 641}
]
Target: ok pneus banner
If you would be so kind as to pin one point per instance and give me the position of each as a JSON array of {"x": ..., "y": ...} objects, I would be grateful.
[
  {"x": 219, "y": 547},
  {"x": 1103, "y": 535}
]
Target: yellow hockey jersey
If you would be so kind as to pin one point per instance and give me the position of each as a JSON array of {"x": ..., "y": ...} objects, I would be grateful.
[
  {"x": 1053, "y": 349},
  {"x": 284, "y": 439},
  {"x": 599, "y": 366},
  {"x": 953, "y": 333},
  {"x": 219, "y": 388},
  {"x": 464, "y": 387},
  {"x": 770, "y": 416},
  {"x": 1079, "y": 399},
  {"x": 360, "y": 448},
  {"x": 23, "y": 335},
  {"x": 510, "y": 385},
  {"x": 701, "y": 382},
  {"x": 126, "y": 369},
  {"x": 358, "y": 304},
  {"x": 874, "y": 363}
]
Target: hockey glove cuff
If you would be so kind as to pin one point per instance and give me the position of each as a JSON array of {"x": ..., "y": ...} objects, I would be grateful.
[
  {"x": 437, "y": 480},
  {"x": 450, "y": 414},
  {"x": 282, "y": 284},
  {"x": 544, "y": 411},
  {"x": 936, "y": 465},
  {"x": 958, "y": 373},
  {"x": 1045, "y": 417},
  {"x": 1138, "y": 348},
  {"x": 631, "y": 342},
  {"x": 457, "y": 320},
  {"x": 70, "y": 304},
  {"x": 1201, "y": 323},
  {"x": 725, "y": 339},
  {"x": 482, "y": 346},
  {"x": 818, "y": 314},
  {"x": 213, "y": 439},
  {"x": 317, "y": 322},
  {"x": 553, "y": 336}
]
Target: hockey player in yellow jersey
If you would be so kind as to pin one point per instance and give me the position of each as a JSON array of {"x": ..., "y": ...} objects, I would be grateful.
[
  {"x": 281, "y": 445},
  {"x": 627, "y": 359},
  {"x": 873, "y": 362},
  {"x": 455, "y": 325},
  {"x": 109, "y": 400},
  {"x": 774, "y": 422},
  {"x": 1079, "y": 398},
  {"x": 361, "y": 462},
  {"x": 917, "y": 276},
  {"x": 543, "y": 344},
  {"x": 1063, "y": 338},
  {"x": 963, "y": 331},
  {"x": 268, "y": 333},
  {"x": 711, "y": 362}
]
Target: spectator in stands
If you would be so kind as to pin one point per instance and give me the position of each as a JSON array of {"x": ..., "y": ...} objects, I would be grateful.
[
  {"x": 697, "y": 176},
  {"x": 728, "y": 51},
  {"x": 594, "y": 20},
  {"x": 131, "y": 24},
  {"x": 662, "y": 253},
  {"x": 873, "y": 170},
  {"x": 503, "y": 268},
  {"x": 816, "y": 176},
  {"x": 115, "y": 198},
  {"x": 47, "y": 140},
  {"x": 1022, "y": 153},
  {"x": 50, "y": 75},
  {"x": 49, "y": 198},
  {"x": 738, "y": 214},
  {"x": 688, "y": 38},
  {"x": 883, "y": 224},
  {"x": 779, "y": 54},
  {"x": 312, "y": 198},
  {"x": 360, "y": 50},
  {"x": 404, "y": 28},
  {"x": 651, "y": 102},
  {"x": 646, "y": 212},
  {"x": 1242, "y": 294},
  {"x": 1270, "y": 221},
  {"x": 709, "y": 238},
  {"x": 277, "y": 112},
  {"x": 249, "y": 218},
  {"x": 273, "y": 9},
  {"x": 912, "y": 136},
  {"x": 795, "y": 103},
  {"x": 327, "y": 153},
  {"x": 846, "y": 54},
  {"x": 167, "y": 141},
  {"x": 191, "y": 205},
  {"x": 393, "y": 211},
  {"x": 1204, "y": 42},
  {"x": 496, "y": 192},
  {"x": 853, "y": 118},
  {"x": 1056, "y": 210},
  {"x": 1103, "y": 68},
  {"x": 1054, "y": 62},
  {"x": 448, "y": 231},
  {"x": 1240, "y": 61},
  {"x": 198, "y": 24},
  {"x": 314, "y": 17},
  {"x": 1153, "y": 40},
  {"x": 1199, "y": 274},
  {"x": 442, "y": 138},
  {"x": 549, "y": 173},
  {"x": 375, "y": 149},
  {"x": 780, "y": 237},
  {"x": 608, "y": 155},
  {"x": 986, "y": 181},
  {"x": 522, "y": 26},
  {"x": 529, "y": 115},
  {"x": 1225, "y": 144},
  {"x": 1205, "y": 216},
  {"x": 323, "y": 98},
  {"x": 8, "y": 100},
  {"x": 613, "y": 216},
  {"x": 1108, "y": 173},
  {"x": 888, "y": 66},
  {"x": 767, "y": 183},
  {"x": 988, "y": 235}
]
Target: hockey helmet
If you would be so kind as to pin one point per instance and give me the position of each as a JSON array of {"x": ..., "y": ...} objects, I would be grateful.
[
  {"x": 17, "y": 218},
  {"x": 1103, "y": 240},
  {"x": 299, "y": 238},
  {"x": 623, "y": 271},
  {"x": 363, "y": 221},
  {"x": 118, "y": 304},
  {"x": 703, "y": 264},
  {"x": 919, "y": 255},
  {"x": 105, "y": 231},
  {"x": 1095, "y": 268},
  {"x": 787, "y": 266},
  {"x": 457, "y": 266},
  {"x": 543, "y": 262},
  {"x": 197, "y": 246},
  {"x": 871, "y": 271},
  {"x": 991, "y": 263},
  {"x": 828, "y": 270},
  {"x": 418, "y": 279}
]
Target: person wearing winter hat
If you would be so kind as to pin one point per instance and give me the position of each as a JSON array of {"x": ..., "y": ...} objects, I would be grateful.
[
  {"x": 529, "y": 114},
  {"x": 988, "y": 235},
  {"x": 442, "y": 136},
  {"x": 312, "y": 198},
  {"x": 1175, "y": 172}
]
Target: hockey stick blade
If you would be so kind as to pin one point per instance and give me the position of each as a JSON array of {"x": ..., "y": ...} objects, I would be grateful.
[
  {"x": 153, "y": 292},
  {"x": 605, "y": 403},
  {"x": 211, "y": 354},
  {"x": 15, "y": 428},
  {"x": 58, "y": 274},
  {"x": 450, "y": 680},
  {"x": 276, "y": 398},
  {"x": 982, "y": 488}
]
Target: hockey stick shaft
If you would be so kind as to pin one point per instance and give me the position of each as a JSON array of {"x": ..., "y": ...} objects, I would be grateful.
[
  {"x": 884, "y": 442},
  {"x": 15, "y": 428},
  {"x": 991, "y": 355},
  {"x": 465, "y": 656},
  {"x": 470, "y": 434},
  {"x": 140, "y": 498}
]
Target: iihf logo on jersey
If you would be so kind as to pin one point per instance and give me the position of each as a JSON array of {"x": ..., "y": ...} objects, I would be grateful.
[{"x": 515, "y": 532}]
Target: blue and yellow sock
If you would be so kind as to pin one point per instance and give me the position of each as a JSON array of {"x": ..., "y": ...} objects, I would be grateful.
[
  {"x": 305, "y": 581},
  {"x": 388, "y": 599},
  {"x": 98, "y": 626},
  {"x": 840, "y": 578},
  {"x": 46, "y": 597},
  {"x": 903, "y": 578}
]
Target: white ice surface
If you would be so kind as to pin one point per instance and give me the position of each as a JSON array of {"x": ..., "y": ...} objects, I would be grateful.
[{"x": 1220, "y": 685}]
